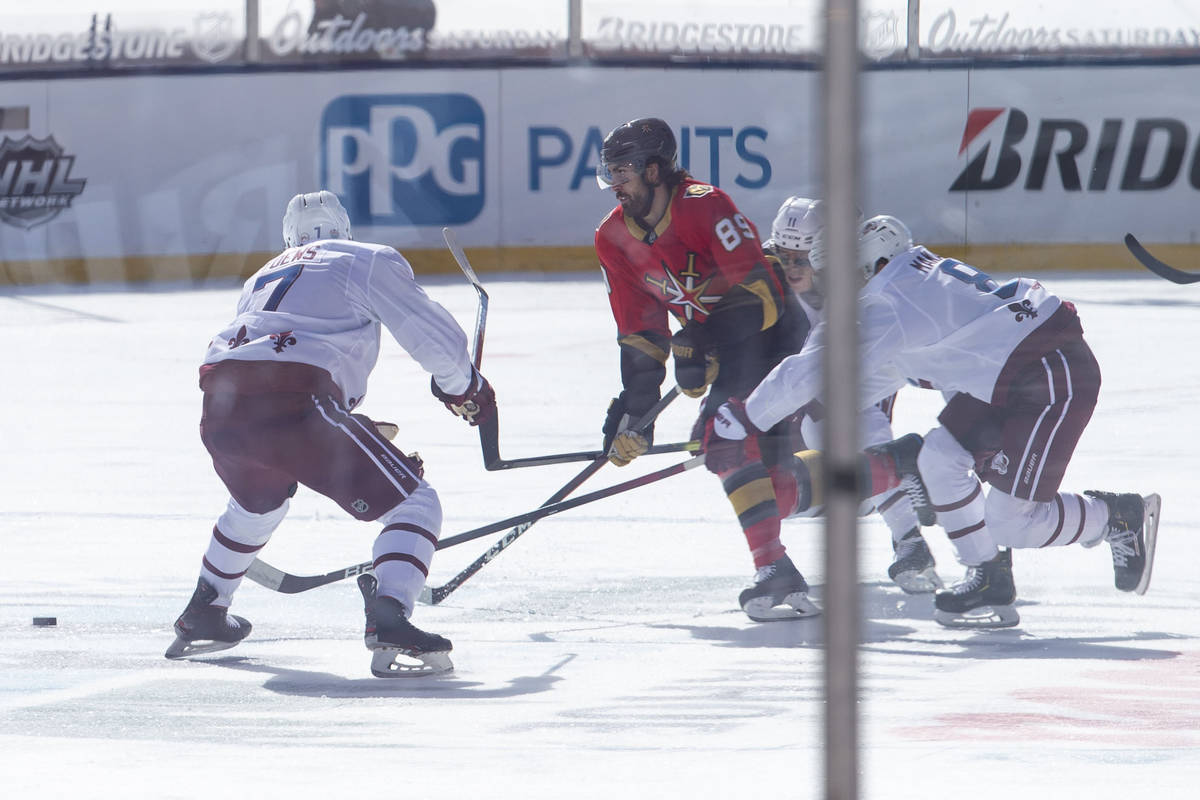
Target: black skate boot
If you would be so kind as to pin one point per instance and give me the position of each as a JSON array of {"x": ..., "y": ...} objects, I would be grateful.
[
  {"x": 903, "y": 454},
  {"x": 400, "y": 649},
  {"x": 779, "y": 592},
  {"x": 913, "y": 569},
  {"x": 205, "y": 628},
  {"x": 1131, "y": 532},
  {"x": 983, "y": 599}
]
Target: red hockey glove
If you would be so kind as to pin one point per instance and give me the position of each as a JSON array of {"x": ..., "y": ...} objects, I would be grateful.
[
  {"x": 474, "y": 405},
  {"x": 729, "y": 438}
]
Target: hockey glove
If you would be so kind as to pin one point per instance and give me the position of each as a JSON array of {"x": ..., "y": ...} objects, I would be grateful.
[
  {"x": 475, "y": 405},
  {"x": 729, "y": 438},
  {"x": 387, "y": 430},
  {"x": 621, "y": 444},
  {"x": 695, "y": 366}
]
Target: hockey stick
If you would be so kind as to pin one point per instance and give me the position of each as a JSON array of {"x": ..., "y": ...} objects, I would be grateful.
[
  {"x": 481, "y": 312},
  {"x": 489, "y": 430},
  {"x": 1158, "y": 267},
  {"x": 276, "y": 579},
  {"x": 436, "y": 594},
  {"x": 489, "y": 440}
]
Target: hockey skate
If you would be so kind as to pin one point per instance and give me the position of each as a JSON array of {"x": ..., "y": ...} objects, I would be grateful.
[
  {"x": 903, "y": 454},
  {"x": 399, "y": 649},
  {"x": 913, "y": 569},
  {"x": 1131, "y": 532},
  {"x": 205, "y": 628},
  {"x": 779, "y": 592},
  {"x": 983, "y": 599}
]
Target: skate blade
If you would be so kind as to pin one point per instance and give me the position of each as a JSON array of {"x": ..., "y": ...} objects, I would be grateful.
[
  {"x": 182, "y": 648},
  {"x": 396, "y": 662},
  {"x": 982, "y": 618},
  {"x": 918, "y": 581},
  {"x": 793, "y": 606},
  {"x": 1153, "y": 505}
]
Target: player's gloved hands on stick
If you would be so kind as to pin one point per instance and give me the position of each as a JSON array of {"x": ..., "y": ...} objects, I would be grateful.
[
  {"x": 475, "y": 405},
  {"x": 695, "y": 367},
  {"x": 626, "y": 446},
  {"x": 729, "y": 438},
  {"x": 620, "y": 443}
]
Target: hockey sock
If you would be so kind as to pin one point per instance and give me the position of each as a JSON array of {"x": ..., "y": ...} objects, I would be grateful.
[
  {"x": 404, "y": 548},
  {"x": 236, "y": 539}
]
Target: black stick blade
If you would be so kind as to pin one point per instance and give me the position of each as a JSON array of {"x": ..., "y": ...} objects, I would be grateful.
[{"x": 1157, "y": 267}]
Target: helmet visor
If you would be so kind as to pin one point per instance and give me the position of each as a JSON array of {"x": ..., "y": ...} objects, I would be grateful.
[
  {"x": 610, "y": 175},
  {"x": 792, "y": 259}
]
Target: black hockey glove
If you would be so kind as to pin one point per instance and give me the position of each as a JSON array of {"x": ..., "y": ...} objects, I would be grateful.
[{"x": 695, "y": 366}]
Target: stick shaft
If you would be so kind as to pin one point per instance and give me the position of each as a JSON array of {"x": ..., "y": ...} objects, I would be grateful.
[
  {"x": 481, "y": 312},
  {"x": 280, "y": 581},
  {"x": 436, "y": 594}
]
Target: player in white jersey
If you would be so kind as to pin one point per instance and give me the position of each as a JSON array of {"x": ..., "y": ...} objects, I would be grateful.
[
  {"x": 280, "y": 383},
  {"x": 793, "y": 234},
  {"x": 1022, "y": 384}
]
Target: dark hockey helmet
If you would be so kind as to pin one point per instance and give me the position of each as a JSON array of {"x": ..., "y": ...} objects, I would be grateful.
[{"x": 634, "y": 145}]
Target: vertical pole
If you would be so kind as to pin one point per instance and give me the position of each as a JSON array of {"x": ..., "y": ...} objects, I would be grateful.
[
  {"x": 914, "y": 30},
  {"x": 840, "y": 133},
  {"x": 574, "y": 28},
  {"x": 252, "y": 54}
]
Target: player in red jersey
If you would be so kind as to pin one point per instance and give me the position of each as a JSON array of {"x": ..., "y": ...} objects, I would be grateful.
[{"x": 676, "y": 247}]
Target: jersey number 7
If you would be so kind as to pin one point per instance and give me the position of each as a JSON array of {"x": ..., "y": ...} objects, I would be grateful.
[{"x": 286, "y": 277}]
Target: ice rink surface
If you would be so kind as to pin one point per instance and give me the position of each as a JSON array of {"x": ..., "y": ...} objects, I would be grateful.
[{"x": 603, "y": 654}]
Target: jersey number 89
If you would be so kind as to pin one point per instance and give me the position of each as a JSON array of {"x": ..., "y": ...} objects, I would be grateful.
[{"x": 731, "y": 235}]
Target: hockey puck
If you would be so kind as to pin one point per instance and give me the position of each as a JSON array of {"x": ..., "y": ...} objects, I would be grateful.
[{"x": 45, "y": 622}]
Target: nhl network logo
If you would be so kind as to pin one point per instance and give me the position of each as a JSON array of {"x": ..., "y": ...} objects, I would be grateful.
[
  {"x": 35, "y": 181},
  {"x": 1128, "y": 155},
  {"x": 405, "y": 159}
]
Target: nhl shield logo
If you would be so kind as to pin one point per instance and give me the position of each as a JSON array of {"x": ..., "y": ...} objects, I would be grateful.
[
  {"x": 360, "y": 506},
  {"x": 880, "y": 34},
  {"x": 212, "y": 37},
  {"x": 35, "y": 181}
]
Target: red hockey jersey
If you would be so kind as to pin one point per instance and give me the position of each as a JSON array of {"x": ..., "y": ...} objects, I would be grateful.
[{"x": 702, "y": 246}]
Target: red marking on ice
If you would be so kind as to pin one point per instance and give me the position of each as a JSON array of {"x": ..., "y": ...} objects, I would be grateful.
[{"x": 1150, "y": 704}]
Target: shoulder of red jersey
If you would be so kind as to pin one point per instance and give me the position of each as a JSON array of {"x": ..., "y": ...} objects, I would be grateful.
[
  {"x": 607, "y": 229},
  {"x": 617, "y": 215},
  {"x": 694, "y": 195},
  {"x": 693, "y": 188}
]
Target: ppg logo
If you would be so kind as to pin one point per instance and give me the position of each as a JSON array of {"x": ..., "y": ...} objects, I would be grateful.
[{"x": 404, "y": 159}]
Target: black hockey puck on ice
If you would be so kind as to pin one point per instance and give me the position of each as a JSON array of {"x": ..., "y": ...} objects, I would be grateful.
[{"x": 45, "y": 622}]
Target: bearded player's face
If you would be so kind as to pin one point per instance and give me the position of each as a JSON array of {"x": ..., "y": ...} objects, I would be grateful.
[{"x": 634, "y": 193}]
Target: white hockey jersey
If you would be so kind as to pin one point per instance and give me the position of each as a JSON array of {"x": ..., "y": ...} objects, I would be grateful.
[
  {"x": 323, "y": 303},
  {"x": 923, "y": 318}
]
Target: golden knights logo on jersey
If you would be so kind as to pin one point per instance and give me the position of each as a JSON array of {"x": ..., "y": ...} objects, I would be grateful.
[
  {"x": 35, "y": 181},
  {"x": 684, "y": 294}
]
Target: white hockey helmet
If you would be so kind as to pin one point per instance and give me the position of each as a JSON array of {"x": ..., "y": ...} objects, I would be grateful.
[
  {"x": 313, "y": 216},
  {"x": 797, "y": 223},
  {"x": 880, "y": 237}
]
